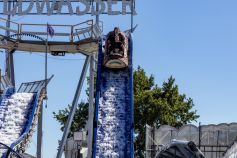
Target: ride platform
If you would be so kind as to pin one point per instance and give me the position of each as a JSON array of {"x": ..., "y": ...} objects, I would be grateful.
[{"x": 79, "y": 38}]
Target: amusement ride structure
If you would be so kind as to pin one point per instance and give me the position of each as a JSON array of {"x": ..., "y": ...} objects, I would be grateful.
[
  {"x": 113, "y": 129},
  {"x": 110, "y": 129}
]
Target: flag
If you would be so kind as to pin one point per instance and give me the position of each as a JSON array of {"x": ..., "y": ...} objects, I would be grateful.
[{"x": 50, "y": 30}]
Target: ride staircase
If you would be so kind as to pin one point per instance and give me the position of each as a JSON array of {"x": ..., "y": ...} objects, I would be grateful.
[
  {"x": 113, "y": 125},
  {"x": 18, "y": 116}
]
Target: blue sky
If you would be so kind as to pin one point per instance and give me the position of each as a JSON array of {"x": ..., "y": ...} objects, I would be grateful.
[{"x": 195, "y": 41}]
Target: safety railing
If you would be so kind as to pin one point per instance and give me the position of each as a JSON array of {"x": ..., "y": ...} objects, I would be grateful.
[
  {"x": 37, "y": 88},
  {"x": 62, "y": 33},
  {"x": 33, "y": 87},
  {"x": 4, "y": 83},
  {"x": 14, "y": 29}
]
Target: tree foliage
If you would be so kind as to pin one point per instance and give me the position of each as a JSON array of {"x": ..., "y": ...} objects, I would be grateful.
[
  {"x": 79, "y": 120},
  {"x": 153, "y": 105},
  {"x": 157, "y": 106}
]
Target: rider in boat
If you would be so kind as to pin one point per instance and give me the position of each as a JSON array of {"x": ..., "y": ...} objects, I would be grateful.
[{"x": 116, "y": 42}]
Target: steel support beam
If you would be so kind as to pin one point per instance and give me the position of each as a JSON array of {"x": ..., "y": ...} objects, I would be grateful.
[
  {"x": 40, "y": 117},
  {"x": 132, "y": 9},
  {"x": 97, "y": 16},
  {"x": 91, "y": 107},
  {"x": 9, "y": 69},
  {"x": 91, "y": 96},
  {"x": 73, "y": 108},
  {"x": 10, "y": 66},
  {"x": 40, "y": 133}
]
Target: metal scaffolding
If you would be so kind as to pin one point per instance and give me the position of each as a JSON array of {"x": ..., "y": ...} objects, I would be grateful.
[{"x": 212, "y": 140}]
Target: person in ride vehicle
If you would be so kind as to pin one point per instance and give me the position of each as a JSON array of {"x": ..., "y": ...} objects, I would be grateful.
[{"x": 116, "y": 42}]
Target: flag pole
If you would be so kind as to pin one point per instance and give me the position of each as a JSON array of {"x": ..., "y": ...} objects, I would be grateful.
[
  {"x": 46, "y": 64},
  {"x": 40, "y": 117}
]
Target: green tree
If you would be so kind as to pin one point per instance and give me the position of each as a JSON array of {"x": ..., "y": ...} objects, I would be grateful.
[
  {"x": 80, "y": 117},
  {"x": 153, "y": 105},
  {"x": 79, "y": 120},
  {"x": 156, "y": 106}
]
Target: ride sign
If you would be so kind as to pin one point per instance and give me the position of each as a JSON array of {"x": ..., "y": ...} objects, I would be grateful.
[{"x": 79, "y": 7}]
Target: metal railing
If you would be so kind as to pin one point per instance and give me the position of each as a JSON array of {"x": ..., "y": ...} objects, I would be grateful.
[
  {"x": 5, "y": 83},
  {"x": 73, "y": 33},
  {"x": 33, "y": 87}
]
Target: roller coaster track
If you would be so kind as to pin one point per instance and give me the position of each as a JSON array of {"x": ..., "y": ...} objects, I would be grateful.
[
  {"x": 113, "y": 123},
  {"x": 37, "y": 89}
]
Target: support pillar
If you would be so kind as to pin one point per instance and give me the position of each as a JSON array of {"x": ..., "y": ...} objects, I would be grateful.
[
  {"x": 40, "y": 133},
  {"x": 91, "y": 94},
  {"x": 132, "y": 10},
  {"x": 40, "y": 117},
  {"x": 10, "y": 66},
  {"x": 73, "y": 108},
  {"x": 9, "y": 70},
  {"x": 91, "y": 107}
]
